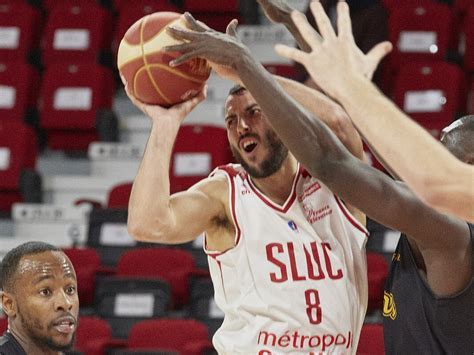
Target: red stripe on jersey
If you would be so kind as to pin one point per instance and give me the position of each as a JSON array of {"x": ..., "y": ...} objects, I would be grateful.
[
  {"x": 289, "y": 202},
  {"x": 351, "y": 218}
]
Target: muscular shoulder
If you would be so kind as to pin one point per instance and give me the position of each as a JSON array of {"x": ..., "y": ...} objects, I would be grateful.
[
  {"x": 216, "y": 187},
  {"x": 220, "y": 234}
]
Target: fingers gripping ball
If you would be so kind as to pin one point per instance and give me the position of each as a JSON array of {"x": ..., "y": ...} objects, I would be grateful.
[{"x": 145, "y": 66}]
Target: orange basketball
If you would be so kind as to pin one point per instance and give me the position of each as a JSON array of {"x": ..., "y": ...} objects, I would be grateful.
[{"x": 145, "y": 66}]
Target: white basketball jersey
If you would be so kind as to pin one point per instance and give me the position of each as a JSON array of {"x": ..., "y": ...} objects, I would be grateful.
[{"x": 296, "y": 281}]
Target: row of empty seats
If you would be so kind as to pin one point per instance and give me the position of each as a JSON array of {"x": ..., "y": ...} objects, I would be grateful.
[
  {"x": 173, "y": 337},
  {"x": 83, "y": 31},
  {"x": 77, "y": 31}
]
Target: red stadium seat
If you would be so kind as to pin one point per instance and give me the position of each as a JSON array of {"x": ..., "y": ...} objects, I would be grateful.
[
  {"x": 3, "y": 325},
  {"x": 187, "y": 336},
  {"x": 87, "y": 262},
  {"x": 197, "y": 151},
  {"x": 93, "y": 335},
  {"x": 462, "y": 5},
  {"x": 196, "y": 6},
  {"x": 215, "y": 14},
  {"x": 19, "y": 85},
  {"x": 173, "y": 265},
  {"x": 20, "y": 29},
  {"x": 431, "y": 94},
  {"x": 121, "y": 4},
  {"x": 76, "y": 33},
  {"x": 377, "y": 270},
  {"x": 75, "y": 105},
  {"x": 217, "y": 21},
  {"x": 468, "y": 31},
  {"x": 49, "y": 5},
  {"x": 470, "y": 100},
  {"x": 119, "y": 196},
  {"x": 284, "y": 70},
  {"x": 18, "y": 152},
  {"x": 416, "y": 36},
  {"x": 392, "y": 4},
  {"x": 371, "y": 340}
]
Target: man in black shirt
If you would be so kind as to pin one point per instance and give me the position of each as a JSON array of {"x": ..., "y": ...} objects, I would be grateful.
[
  {"x": 417, "y": 316},
  {"x": 39, "y": 297}
]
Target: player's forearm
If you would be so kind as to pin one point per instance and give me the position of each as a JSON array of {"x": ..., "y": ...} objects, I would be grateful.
[
  {"x": 297, "y": 36},
  {"x": 400, "y": 141},
  {"x": 327, "y": 111},
  {"x": 454, "y": 194},
  {"x": 149, "y": 210}
]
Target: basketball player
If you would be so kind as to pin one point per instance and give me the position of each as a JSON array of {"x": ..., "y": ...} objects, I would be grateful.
[
  {"x": 403, "y": 144},
  {"x": 39, "y": 297},
  {"x": 286, "y": 256},
  {"x": 429, "y": 296}
]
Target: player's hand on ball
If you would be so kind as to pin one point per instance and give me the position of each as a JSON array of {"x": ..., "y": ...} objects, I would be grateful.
[
  {"x": 176, "y": 112},
  {"x": 222, "y": 50}
]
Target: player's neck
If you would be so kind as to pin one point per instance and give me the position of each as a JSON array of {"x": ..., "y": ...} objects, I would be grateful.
[{"x": 277, "y": 187}]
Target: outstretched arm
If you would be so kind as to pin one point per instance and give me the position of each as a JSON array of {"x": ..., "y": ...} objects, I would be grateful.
[
  {"x": 153, "y": 214},
  {"x": 421, "y": 161},
  {"x": 328, "y": 111},
  {"x": 317, "y": 148}
]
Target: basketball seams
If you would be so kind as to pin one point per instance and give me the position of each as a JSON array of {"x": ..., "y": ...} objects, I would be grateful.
[
  {"x": 146, "y": 65},
  {"x": 176, "y": 71}
]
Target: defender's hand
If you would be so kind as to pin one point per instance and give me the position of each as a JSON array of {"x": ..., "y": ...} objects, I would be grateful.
[
  {"x": 222, "y": 50},
  {"x": 333, "y": 58},
  {"x": 276, "y": 11}
]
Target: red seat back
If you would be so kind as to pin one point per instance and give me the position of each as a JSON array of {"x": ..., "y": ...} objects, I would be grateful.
[
  {"x": 416, "y": 36},
  {"x": 75, "y": 33},
  {"x": 173, "y": 265},
  {"x": 87, "y": 263},
  {"x": 119, "y": 196},
  {"x": 197, "y": 151},
  {"x": 176, "y": 334},
  {"x": 71, "y": 96},
  {"x": 468, "y": 31},
  {"x": 93, "y": 335},
  {"x": 371, "y": 340},
  {"x": 3, "y": 325},
  {"x": 20, "y": 29},
  {"x": 431, "y": 94},
  {"x": 377, "y": 269},
  {"x": 19, "y": 85}
]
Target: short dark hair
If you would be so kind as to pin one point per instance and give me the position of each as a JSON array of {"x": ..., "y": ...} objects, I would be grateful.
[
  {"x": 458, "y": 137},
  {"x": 236, "y": 90},
  {"x": 10, "y": 262}
]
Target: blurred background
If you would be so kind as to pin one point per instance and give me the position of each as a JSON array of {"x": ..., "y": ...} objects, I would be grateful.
[{"x": 71, "y": 143}]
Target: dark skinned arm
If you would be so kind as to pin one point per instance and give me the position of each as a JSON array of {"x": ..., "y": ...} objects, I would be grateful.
[{"x": 444, "y": 241}]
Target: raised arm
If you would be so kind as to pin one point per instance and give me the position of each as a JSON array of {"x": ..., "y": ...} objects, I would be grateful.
[
  {"x": 317, "y": 148},
  {"x": 331, "y": 113},
  {"x": 421, "y": 161},
  {"x": 154, "y": 215}
]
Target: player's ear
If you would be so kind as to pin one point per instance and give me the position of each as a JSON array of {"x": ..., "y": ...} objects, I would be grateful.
[{"x": 8, "y": 304}]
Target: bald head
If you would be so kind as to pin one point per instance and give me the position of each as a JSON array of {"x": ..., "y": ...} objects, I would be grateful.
[{"x": 458, "y": 138}]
